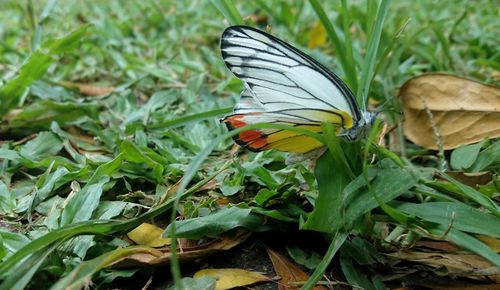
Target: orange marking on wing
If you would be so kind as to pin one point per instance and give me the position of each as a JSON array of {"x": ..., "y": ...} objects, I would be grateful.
[
  {"x": 235, "y": 121},
  {"x": 259, "y": 143},
  {"x": 250, "y": 135}
]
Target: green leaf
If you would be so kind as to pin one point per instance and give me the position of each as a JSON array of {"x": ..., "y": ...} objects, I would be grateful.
[
  {"x": 353, "y": 275},
  {"x": 348, "y": 68},
  {"x": 18, "y": 277},
  {"x": 309, "y": 260},
  {"x": 12, "y": 242},
  {"x": 133, "y": 153},
  {"x": 475, "y": 195},
  {"x": 7, "y": 199},
  {"x": 488, "y": 158},
  {"x": 332, "y": 179},
  {"x": 81, "y": 204},
  {"x": 368, "y": 70},
  {"x": 388, "y": 184},
  {"x": 34, "y": 68},
  {"x": 44, "y": 145},
  {"x": 78, "y": 278},
  {"x": 466, "y": 241},
  {"x": 363, "y": 252},
  {"x": 337, "y": 241},
  {"x": 464, "y": 156},
  {"x": 216, "y": 223},
  {"x": 453, "y": 214},
  {"x": 39, "y": 115}
]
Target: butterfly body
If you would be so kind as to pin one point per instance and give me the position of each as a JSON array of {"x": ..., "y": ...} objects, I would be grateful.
[{"x": 285, "y": 86}]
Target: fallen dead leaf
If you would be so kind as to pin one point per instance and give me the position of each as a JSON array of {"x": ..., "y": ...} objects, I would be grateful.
[
  {"x": 471, "y": 179},
  {"x": 88, "y": 90},
  {"x": 457, "y": 265},
  {"x": 232, "y": 278},
  {"x": 460, "y": 286},
  {"x": 493, "y": 243},
  {"x": 292, "y": 276},
  {"x": 437, "y": 245},
  {"x": 148, "y": 235},
  {"x": 223, "y": 243},
  {"x": 463, "y": 111}
]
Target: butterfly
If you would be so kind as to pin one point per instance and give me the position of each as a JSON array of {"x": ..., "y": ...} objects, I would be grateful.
[{"x": 286, "y": 86}]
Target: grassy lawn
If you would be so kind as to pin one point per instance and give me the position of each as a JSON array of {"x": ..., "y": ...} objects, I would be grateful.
[{"x": 116, "y": 172}]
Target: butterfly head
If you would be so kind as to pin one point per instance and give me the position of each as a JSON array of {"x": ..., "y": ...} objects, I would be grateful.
[{"x": 362, "y": 128}]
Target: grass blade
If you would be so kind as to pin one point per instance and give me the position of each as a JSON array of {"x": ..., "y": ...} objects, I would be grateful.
[
  {"x": 227, "y": 8},
  {"x": 368, "y": 70},
  {"x": 348, "y": 68}
]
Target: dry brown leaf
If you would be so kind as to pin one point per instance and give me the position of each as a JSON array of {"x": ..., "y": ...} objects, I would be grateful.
[
  {"x": 461, "y": 286},
  {"x": 464, "y": 265},
  {"x": 148, "y": 235},
  {"x": 231, "y": 278},
  {"x": 493, "y": 243},
  {"x": 89, "y": 90},
  {"x": 463, "y": 111},
  {"x": 437, "y": 245},
  {"x": 472, "y": 179},
  {"x": 223, "y": 243},
  {"x": 292, "y": 276}
]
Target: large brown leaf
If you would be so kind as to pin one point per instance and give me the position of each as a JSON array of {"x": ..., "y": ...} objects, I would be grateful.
[{"x": 463, "y": 111}]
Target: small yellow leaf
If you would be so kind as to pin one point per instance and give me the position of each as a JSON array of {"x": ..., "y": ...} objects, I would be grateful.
[
  {"x": 318, "y": 36},
  {"x": 148, "y": 235},
  {"x": 231, "y": 278}
]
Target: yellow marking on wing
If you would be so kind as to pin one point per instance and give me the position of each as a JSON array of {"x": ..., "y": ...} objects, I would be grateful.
[
  {"x": 297, "y": 144},
  {"x": 337, "y": 117},
  {"x": 287, "y": 134},
  {"x": 290, "y": 141}
]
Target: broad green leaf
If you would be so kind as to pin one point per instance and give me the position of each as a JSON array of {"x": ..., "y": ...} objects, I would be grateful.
[
  {"x": 12, "y": 242},
  {"x": 332, "y": 179},
  {"x": 309, "y": 260},
  {"x": 488, "y": 158},
  {"x": 453, "y": 214},
  {"x": 46, "y": 144},
  {"x": 464, "y": 156},
  {"x": 19, "y": 276},
  {"x": 353, "y": 275},
  {"x": 363, "y": 252},
  {"x": 133, "y": 153},
  {"x": 7, "y": 199},
  {"x": 475, "y": 195},
  {"x": 216, "y": 223},
  {"x": 388, "y": 184},
  {"x": 80, "y": 205}
]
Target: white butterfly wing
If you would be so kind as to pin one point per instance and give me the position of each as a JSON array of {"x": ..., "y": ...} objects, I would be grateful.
[{"x": 283, "y": 85}]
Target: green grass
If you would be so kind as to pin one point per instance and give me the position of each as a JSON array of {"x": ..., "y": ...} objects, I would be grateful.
[{"x": 77, "y": 172}]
